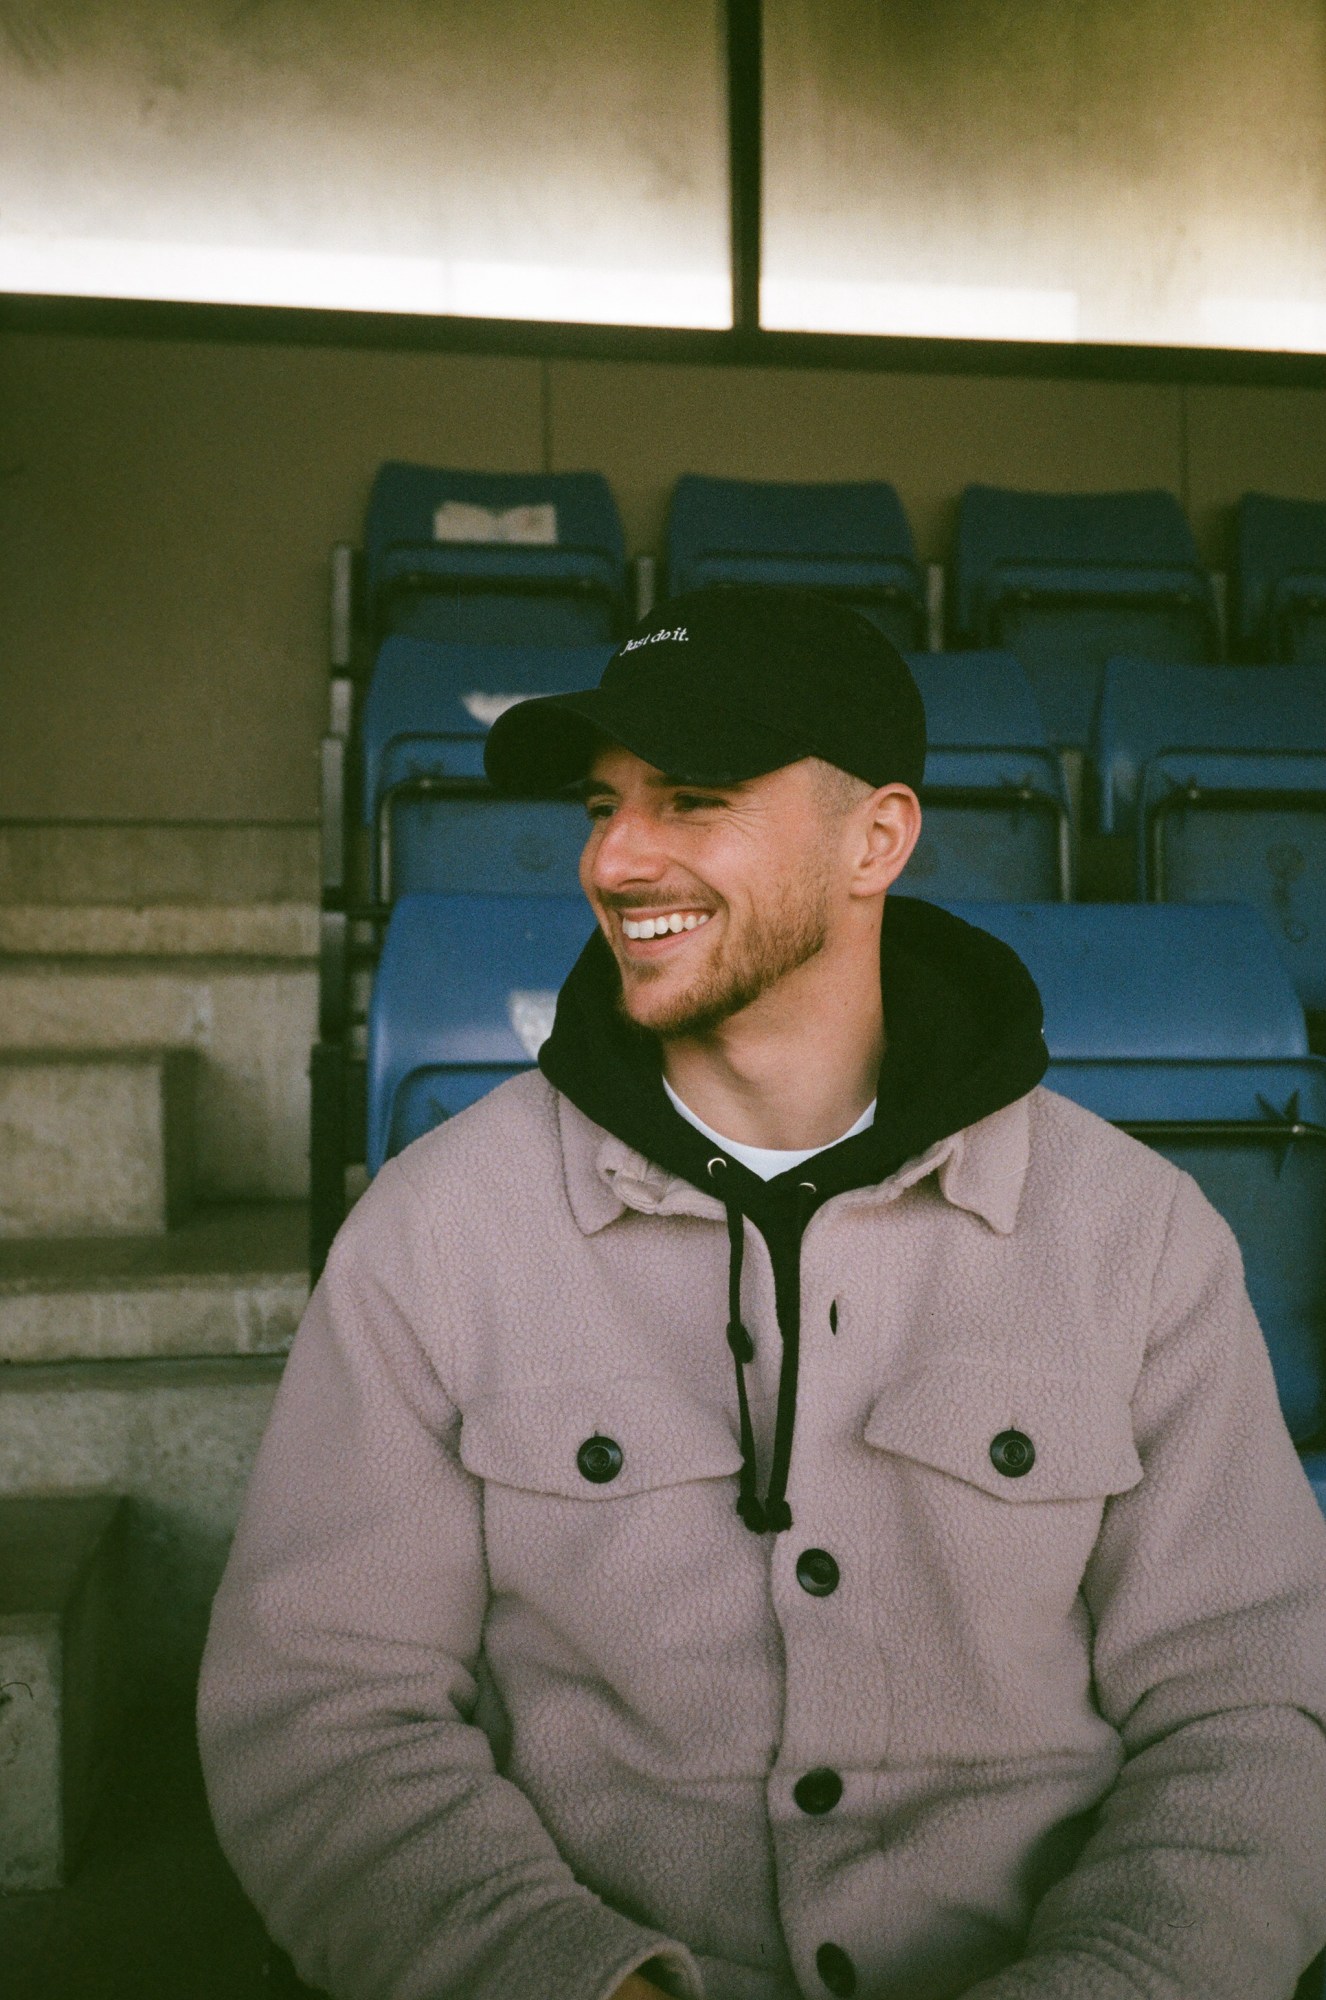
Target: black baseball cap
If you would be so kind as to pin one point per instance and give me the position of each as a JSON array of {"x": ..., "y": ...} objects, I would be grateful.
[{"x": 725, "y": 683}]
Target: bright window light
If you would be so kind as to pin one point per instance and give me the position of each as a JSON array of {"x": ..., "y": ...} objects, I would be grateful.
[
  {"x": 1278, "y": 326},
  {"x": 215, "y": 274},
  {"x": 960, "y": 312}
]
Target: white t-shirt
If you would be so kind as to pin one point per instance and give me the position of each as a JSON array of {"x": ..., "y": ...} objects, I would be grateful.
[{"x": 767, "y": 1161}]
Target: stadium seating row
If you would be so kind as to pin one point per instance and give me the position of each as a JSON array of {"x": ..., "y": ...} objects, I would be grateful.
[{"x": 527, "y": 558}]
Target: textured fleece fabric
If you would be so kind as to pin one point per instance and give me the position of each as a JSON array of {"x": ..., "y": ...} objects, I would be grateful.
[{"x": 476, "y": 1728}]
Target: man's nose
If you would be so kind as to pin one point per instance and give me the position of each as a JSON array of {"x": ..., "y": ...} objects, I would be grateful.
[{"x": 628, "y": 850}]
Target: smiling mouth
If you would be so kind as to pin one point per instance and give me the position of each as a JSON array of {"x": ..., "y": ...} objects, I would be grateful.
[{"x": 667, "y": 923}]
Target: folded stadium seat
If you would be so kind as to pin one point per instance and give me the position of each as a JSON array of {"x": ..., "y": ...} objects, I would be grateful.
[
  {"x": 852, "y": 541},
  {"x": 1066, "y": 579},
  {"x": 437, "y": 823},
  {"x": 1180, "y": 1024},
  {"x": 996, "y": 819},
  {"x": 464, "y": 997},
  {"x": 1279, "y": 579},
  {"x": 1219, "y": 774},
  {"x": 494, "y": 557}
]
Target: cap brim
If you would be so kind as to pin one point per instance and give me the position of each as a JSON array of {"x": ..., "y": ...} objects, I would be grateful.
[{"x": 546, "y": 744}]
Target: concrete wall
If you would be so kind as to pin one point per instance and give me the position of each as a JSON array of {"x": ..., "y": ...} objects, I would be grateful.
[{"x": 166, "y": 510}]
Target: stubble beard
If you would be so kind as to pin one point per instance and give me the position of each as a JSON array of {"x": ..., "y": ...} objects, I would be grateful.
[{"x": 775, "y": 942}]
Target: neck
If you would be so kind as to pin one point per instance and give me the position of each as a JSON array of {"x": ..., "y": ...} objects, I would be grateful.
[{"x": 794, "y": 1069}]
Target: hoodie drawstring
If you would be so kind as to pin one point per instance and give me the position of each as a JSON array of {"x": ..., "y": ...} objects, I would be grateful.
[
  {"x": 772, "y": 1514},
  {"x": 743, "y": 1350}
]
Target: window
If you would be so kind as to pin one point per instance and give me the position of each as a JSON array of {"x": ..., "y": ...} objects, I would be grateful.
[{"x": 515, "y": 159}]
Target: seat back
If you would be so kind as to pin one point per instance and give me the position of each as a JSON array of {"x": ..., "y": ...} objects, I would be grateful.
[
  {"x": 1084, "y": 575},
  {"x": 437, "y": 824},
  {"x": 1279, "y": 579},
  {"x": 1181, "y": 1026},
  {"x": 464, "y": 996},
  {"x": 996, "y": 809},
  {"x": 1220, "y": 776},
  {"x": 851, "y": 541},
  {"x": 502, "y": 558}
]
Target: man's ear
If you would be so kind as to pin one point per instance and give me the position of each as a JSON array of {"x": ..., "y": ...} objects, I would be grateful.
[{"x": 890, "y": 825}]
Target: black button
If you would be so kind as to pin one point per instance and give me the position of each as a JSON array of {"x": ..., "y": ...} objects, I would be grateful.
[
  {"x": 836, "y": 1969},
  {"x": 817, "y": 1572},
  {"x": 1012, "y": 1453},
  {"x": 818, "y": 1792},
  {"x": 600, "y": 1459}
]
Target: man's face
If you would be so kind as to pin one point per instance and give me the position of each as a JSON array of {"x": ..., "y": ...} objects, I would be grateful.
[{"x": 708, "y": 895}]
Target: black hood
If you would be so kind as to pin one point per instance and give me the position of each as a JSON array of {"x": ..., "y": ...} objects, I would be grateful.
[
  {"x": 963, "y": 1024},
  {"x": 962, "y": 1021}
]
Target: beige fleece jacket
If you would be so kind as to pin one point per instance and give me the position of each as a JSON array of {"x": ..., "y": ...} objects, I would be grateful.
[{"x": 476, "y": 1728}]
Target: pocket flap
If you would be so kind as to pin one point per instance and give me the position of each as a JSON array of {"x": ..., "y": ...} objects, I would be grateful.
[
  {"x": 533, "y": 1438},
  {"x": 950, "y": 1418}
]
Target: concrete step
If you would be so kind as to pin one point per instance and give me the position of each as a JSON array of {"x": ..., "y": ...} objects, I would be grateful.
[
  {"x": 95, "y": 1143},
  {"x": 161, "y": 930},
  {"x": 231, "y": 1280},
  {"x": 251, "y": 1020},
  {"x": 62, "y": 1675},
  {"x": 178, "y": 1438}
]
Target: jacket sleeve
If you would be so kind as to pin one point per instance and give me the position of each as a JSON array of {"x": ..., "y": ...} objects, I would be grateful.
[
  {"x": 353, "y": 1792},
  {"x": 1205, "y": 1875}
]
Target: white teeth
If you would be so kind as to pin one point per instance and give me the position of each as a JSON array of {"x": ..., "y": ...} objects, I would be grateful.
[{"x": 651, "y": 927}]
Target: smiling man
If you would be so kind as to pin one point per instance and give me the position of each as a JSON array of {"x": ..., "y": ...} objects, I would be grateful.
[{"x": 775, "y": 1502}]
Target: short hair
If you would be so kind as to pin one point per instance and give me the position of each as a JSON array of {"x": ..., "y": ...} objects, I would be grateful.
[{"x": 838, "y": 791}]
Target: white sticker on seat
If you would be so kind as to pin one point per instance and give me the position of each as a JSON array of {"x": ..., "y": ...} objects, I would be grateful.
[
  {"x": 531, "y": 1018},
  {"x": 486, "y": 708},
  {"x": 462, "y": 521}
]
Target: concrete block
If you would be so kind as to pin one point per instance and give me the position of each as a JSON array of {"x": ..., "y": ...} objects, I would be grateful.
[
  {"x": 252, "y": 1022},
  {"x": 179, "y": 1439},
  {"x": 62, "y": 1682},
  {"x": 229, "y": 1280},
  {"x": 79, "y": 863},
  {"x": 160, "y": 930},
  {"x": 95, "y": 1143}
]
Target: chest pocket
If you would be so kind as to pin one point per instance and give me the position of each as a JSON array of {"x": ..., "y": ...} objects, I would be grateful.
[
  {"x": 597, "y": 1442},
  {"x": 1042, "y": 1440}
]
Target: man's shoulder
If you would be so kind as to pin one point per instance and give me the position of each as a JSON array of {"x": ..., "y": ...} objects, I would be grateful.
[
  {"x": 1086, "y": 1158},
  {"x": 509, "y": 1135}
]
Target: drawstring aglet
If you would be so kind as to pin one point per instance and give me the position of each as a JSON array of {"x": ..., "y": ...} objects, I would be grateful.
[{"x": 743, "y": 1347}]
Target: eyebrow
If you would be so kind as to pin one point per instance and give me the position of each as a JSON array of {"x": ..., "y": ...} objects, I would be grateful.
[{"x": 666, "y": 781}]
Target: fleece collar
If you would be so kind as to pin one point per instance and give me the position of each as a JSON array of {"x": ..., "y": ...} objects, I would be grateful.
[
  {"x": 981, "y": 1169},
  {"x": 963, "y": 1020}
]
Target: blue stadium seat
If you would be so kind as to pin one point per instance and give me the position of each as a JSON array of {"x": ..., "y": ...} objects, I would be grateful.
[
  {"x": 996, "y": 820},
  {"x": 437, "y": 824},
  {"x": 1219, "y": 774},
  {"x": 850, "y": 540},
  {"x": 464, "y": 996},
  {"x": 1066, "y": 579},
  {"x": 1181, "y": 1025},
  {"x": 494, "y": 557},
  {"x": 1279, "y": 579}
]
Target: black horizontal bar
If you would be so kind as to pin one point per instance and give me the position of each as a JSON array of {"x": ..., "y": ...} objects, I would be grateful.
[{"x": 299, "y": 326}]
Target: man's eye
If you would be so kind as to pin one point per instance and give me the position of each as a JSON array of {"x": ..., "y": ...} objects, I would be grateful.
[
  {"x": 598, "y": 808},
  {"x": 695, "y": 802}
]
